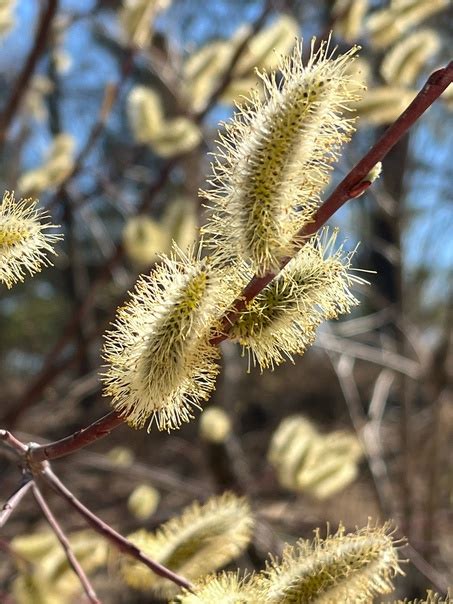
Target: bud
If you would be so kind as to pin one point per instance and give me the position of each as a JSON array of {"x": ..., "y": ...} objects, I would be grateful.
[
  {"x": 137, "y": 19},
  {"x": 384, "y": 104},
  {"x": 348, "y": 16},
  {"x": 143, "y": 501}
]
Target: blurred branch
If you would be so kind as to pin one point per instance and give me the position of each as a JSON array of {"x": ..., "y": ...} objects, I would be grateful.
[
  {"x": 380, "y": 356},
  {"x": 20, "y": 87},
  {"x": 14, "y": 500},
  {"x": 87, "y": 587},
  {"x": 118, "y": 541}
]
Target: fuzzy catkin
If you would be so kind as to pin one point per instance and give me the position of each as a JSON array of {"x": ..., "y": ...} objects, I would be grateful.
[
  {"x": 274, "y": 158},
  {"x": 24, "y": 242},
  {"x": 343, "y": 567},
  {"x": 224, "y": 588},
  {"x": 282, "y": 320},
  {"x": 159, "y": 361},
  {"x": 203, "y": 539}
]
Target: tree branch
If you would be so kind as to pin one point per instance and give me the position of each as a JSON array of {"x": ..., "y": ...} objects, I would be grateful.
[
  {"x": 76, "y": 567},
  {"x": 11, "y": 504},
  {"x": 120, "y": 542},
  {"x": 25, "y": 76},
  {"x": 97, "y": 430}
]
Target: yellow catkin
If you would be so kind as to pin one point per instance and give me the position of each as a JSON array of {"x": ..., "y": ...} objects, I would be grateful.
[
  {"x": 282, "y": 320},
  {"x": 203, "y": 539},
  {"x": 348, "y": 18},
  {"x": 160, "y": 364},
  {"x": 274, "y": 158},
  {"x": 406, "y": 60},
  {"x": 166, "y": 136},
  {"x": 388, "y": 25},
  {"x": 143, "y": 501},
  {"x": 57, "y": 166},
  {"x": 137, "y": 19},
  {"x": 224, "y": 588},
  {"x": 215, "y": 425},
  {"x": 384, "y": 104},
  {"x": 344, "y": 567},
  {"x": 24, "y": 243}
]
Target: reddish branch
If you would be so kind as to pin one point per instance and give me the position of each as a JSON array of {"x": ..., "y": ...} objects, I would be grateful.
[
  {"x": 102, "y": 427},
  {"x": 21, "y": 85},
  {"x": 120, "y": 542},
  {"x": 87, "y": 587}
]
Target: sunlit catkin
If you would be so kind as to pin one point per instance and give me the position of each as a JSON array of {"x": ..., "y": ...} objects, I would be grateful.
[
  {"x": 351, "y": 568},
  {"x": 274, "y": 157},
  {"x": 282, "y": 320},
  {"x": 24, "y": 243},
  {"x": 203, "y": 539},
  {"x": 224, "y": 588},
  {"x": 159, "y": 361}
]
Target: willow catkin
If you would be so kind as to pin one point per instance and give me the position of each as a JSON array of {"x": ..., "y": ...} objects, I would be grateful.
[
  {"x": 344, "y": 567},
  {"x": 203, "y": 539},
  {"x": 224, "y": 588},
  {"x": 24, "y": 242},
  {"x": 282, "y": 320},
  {"x": 274, "y": 158},
  {"x": 160, "y": 364},
  {"x": 406, "y": 60}
]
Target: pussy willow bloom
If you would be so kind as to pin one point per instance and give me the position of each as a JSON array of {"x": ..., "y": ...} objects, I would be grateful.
[
  {"x": 275, "y": 156},
  {"x": 224, "y": 588},
  {"x": 159, "y": 361},
  {"x": 282, "y": 320},
  {"x": 24, "y": 243},
  {"x": 203, "y": 539},
  {"x": 351, "y": 568}
]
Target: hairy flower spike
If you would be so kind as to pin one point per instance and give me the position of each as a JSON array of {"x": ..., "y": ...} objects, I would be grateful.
[
  {"x": 203, "y": 539},
  {"x": 23, "y": 240},
  {"x": 160, "y": 362},
  {"x": 274, "y": 157},
  {"x": 225, "y": 588},
  {"x": 342, "y": 567},
  {"x": 282, "y": 320}
]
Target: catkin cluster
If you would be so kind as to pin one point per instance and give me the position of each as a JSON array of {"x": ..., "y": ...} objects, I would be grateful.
[{"x": 274, "y": 160}]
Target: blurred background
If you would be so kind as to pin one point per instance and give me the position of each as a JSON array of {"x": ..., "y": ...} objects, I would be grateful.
[{"x": 109, "y": 111}]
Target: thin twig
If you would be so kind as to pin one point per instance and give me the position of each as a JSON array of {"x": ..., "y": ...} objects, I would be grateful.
[
  {"x": 11, "y": 504},
  {"x": 76, "y": 567},
  {"x": 28, "y": 69},
  {"x": 120, "y": 542},
  {"x": 12, "y": 442}
]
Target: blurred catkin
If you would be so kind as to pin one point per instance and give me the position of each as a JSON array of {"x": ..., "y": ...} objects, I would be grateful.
[{"x": 203, "y": 539}]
